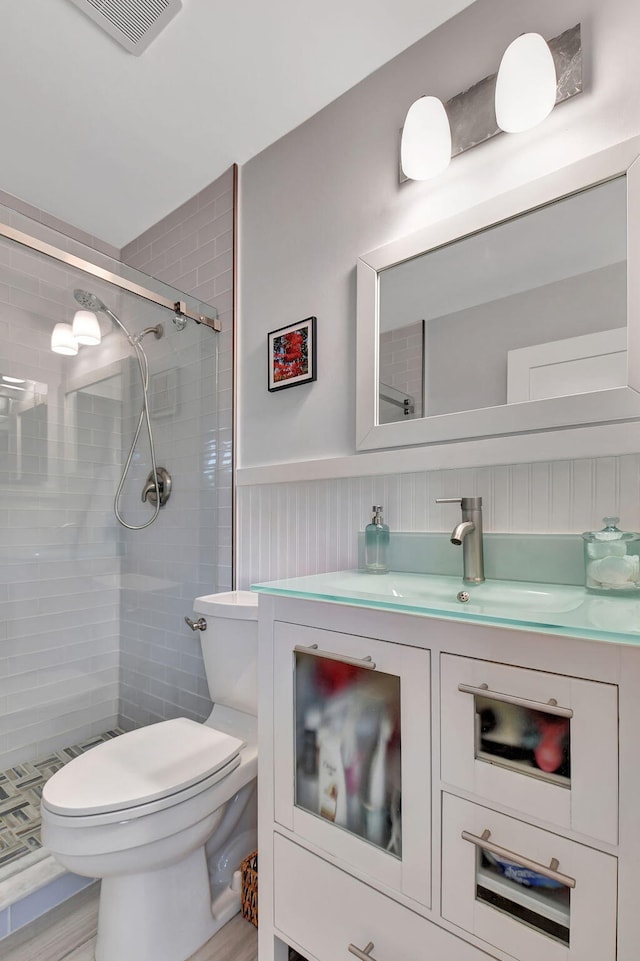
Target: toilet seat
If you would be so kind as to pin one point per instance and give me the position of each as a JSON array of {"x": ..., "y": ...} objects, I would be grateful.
[{"x": 142, "y": 771}]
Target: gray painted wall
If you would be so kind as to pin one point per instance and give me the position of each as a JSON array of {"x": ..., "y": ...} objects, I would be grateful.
[{"x": 328, "y": 192}]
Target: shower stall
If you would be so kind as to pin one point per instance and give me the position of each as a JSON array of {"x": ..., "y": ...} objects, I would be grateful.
[{"x": 92, "y": 636}]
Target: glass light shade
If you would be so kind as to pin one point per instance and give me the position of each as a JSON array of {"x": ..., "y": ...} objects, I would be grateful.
[
  {"x": 425, "y": 150},
  {"x": 63, "y": 341},
  {"x": 86, "y": 328},
  {"x": 526, "y": 84}
]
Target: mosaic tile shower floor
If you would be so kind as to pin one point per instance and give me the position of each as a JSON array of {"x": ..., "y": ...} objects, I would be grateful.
[{"x": 20, "y": 792}]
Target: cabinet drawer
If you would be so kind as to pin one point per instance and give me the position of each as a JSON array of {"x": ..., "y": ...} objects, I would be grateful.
[
  {"x": 543, "y": 744},
  {"x": 491, "y": 887},
  {"x": 324, "y": 910}
]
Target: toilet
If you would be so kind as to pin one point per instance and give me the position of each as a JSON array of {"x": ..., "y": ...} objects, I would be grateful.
[{"x": 148, "y": 811}]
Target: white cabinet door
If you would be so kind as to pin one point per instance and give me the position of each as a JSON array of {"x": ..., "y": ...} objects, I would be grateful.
[
  {"x": 328, "y": 914},
  {"x": 353, "y": 753},
  {"x": 496, "y": 884},
  {"x": 543, "y": 744}
]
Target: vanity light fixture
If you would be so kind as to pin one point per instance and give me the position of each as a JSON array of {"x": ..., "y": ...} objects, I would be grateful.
[
  {"x": 86, "y": 328},
  {"x": 534, "y": 76},
  {"x": 12, "y": 380},
  {"x": 526, "y": 84},
  {"x": 63, "y": 341},
  {"x": 425, "y": 150}
]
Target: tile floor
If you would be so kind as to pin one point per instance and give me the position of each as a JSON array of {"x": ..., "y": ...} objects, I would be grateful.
[
  {"x": 20, "y": 792},
  {"x": 68, "y": 934}
]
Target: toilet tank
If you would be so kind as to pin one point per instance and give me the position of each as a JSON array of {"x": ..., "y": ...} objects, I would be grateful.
[{"x": 230, "y": 648}]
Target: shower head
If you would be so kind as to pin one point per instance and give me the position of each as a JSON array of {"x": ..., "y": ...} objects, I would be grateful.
[{"x": 88, "y": 301}]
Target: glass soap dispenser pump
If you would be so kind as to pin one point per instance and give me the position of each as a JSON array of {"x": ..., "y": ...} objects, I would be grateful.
[{"x": 376, "y": 544}]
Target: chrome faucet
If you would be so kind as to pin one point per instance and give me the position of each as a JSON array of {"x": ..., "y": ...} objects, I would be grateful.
[{"x": 468, "y": 533}]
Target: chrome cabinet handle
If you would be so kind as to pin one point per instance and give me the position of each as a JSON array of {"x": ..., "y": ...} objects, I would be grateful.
[
  {"x": 365, "y": 953},
  {"x": 550, "y": 707},
  {"x": 365, "y": 662},
  {"x": 199, "y": 625},
  {"x": 551, "y": 872}
]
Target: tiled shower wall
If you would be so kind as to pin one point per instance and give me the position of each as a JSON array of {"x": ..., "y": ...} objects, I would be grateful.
[
  {"x": 188, "y": 552},
  {"x": 401, "y": 367},
  {"x": 290, "y": 529},
  {"x": 59, "y": 564}
]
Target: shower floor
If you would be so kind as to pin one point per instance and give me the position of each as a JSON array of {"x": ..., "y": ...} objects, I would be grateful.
[{"x": 20, "y": 792}]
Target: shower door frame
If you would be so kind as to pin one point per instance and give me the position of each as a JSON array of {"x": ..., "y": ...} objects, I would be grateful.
[{"x": 64, "y": 257}]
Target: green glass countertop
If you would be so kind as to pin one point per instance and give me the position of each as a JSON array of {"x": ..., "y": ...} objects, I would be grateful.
[{"x": 550, "y": 608}]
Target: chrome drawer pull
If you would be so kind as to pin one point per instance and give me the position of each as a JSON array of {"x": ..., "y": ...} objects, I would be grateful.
[
  {"x": 365, "y": 662},
  {"x": 550, "y": 707},
  {"x": 365, "y": 954},
  {"x": 550, "y": 872}
]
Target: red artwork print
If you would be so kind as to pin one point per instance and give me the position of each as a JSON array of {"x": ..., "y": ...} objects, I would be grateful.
[{"x": 290, "y": 355}]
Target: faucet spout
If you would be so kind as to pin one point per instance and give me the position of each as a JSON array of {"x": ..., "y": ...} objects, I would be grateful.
[
  {"x": 468, "y": 533},
  {"x": 460, "y": 531}
]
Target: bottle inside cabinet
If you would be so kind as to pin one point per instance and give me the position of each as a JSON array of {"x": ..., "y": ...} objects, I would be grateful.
[
  {"x": 525, "y": 895},
  {"x": 348, "y": 748},
  {"x": 534, "y": 742}
]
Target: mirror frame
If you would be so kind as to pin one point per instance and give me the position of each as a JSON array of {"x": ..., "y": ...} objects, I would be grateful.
[{"x": 597, "y": 407}]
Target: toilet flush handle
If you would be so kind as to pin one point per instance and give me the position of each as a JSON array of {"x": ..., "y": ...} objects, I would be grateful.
[{"x": 199, "y": 625}]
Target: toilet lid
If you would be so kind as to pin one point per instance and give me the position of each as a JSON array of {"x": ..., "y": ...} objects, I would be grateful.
[{"x": 141, "y": 766}]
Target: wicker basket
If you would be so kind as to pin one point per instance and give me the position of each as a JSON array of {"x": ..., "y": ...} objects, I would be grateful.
[{"x": 249, "y": 869}]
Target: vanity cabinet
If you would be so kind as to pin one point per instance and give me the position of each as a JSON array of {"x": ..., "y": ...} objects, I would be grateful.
[{"x": 508, "y": 826}]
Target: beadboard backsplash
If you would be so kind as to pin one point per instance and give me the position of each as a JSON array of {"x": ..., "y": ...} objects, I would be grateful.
[{"x": 307, "y": 527}]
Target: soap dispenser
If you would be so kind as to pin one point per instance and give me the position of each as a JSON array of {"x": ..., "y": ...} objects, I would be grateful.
[
  {"x": 376, "y": 544},
  {"x": 612, "y": 562}
]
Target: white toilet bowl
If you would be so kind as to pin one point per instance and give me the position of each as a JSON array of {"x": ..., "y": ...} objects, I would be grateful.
[
  {"x": 141, "y": 811},
  {"x": 137, "y": 812}
]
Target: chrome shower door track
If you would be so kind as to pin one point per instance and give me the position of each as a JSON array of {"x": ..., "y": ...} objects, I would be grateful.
[{"x": 63, "y": 257}]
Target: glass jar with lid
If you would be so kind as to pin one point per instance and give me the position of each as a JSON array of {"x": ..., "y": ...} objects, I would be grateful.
[{"x": 612, "y": 559}]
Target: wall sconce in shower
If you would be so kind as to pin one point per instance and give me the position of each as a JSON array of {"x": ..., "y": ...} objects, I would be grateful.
[
  {"x": 86, "y": 328},
  {"x": 63, "y": 341},
  {"x": 533, "y": 77}
]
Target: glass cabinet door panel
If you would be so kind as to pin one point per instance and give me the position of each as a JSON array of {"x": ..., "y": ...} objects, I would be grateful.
[
  {"x": 525, "y": 895},
  {"x": 347, "y": 747},
  {"x": 534, "y": 742},
  {"x": 352, "y": 751}
]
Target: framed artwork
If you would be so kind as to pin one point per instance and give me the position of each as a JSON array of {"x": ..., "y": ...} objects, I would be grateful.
[{"x": 292, "y": 354}]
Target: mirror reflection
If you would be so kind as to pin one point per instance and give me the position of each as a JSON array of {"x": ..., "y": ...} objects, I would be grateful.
[
  {"x": 24, "y": 436},
  {"x": 531, "y": 308}
]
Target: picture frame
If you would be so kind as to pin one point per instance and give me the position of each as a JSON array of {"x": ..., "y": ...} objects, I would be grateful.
[{"x": 291, "y": 355}]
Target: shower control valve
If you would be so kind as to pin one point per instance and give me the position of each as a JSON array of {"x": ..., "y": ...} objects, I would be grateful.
[
  {"x": 150, "y": 492},
  {"x": 199, "y": 625}
]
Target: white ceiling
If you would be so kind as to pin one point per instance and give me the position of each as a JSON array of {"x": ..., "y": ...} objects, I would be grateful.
[{"x": 111, "y": 142}]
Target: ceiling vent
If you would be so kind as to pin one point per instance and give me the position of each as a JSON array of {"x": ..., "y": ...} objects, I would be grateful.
[{"x": 132, "y": 23}]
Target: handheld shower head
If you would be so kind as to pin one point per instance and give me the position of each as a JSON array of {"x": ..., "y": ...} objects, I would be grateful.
[
  {"x": 90, "y": 302},
  {"x": 87, "y": 300}
]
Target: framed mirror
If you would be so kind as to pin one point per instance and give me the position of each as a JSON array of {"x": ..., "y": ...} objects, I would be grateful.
[{"x": 519, "y": 315}]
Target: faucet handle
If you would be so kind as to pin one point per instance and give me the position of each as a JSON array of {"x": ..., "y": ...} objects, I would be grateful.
[{"x": 467, "y": 503}]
